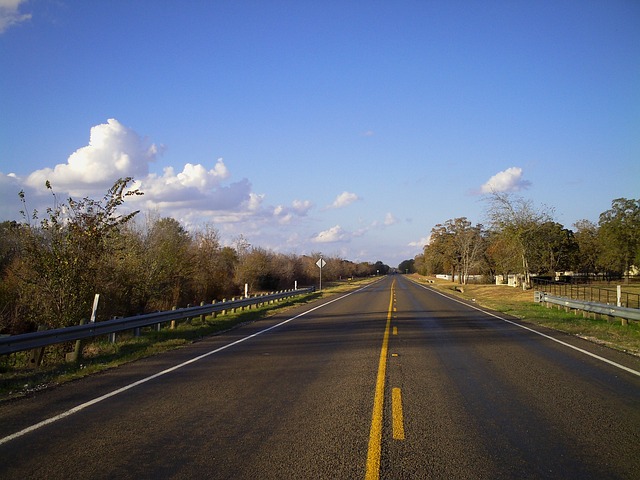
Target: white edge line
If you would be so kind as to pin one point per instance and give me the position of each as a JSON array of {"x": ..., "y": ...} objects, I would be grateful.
[
  {"x": 578, "y": 349},
  {"x": 82, "y": 406}
]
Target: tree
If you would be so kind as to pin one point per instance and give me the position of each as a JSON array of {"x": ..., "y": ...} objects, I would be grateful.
[
  {"x": 619, "y": 235},
  {"x": 501, "y": 255},
  {"x": 63, "y": 255},
  {"x": 407, "y": 266},
  {"x": 381, "y": 268},
  {"x": 9, "y": 258},
  {"x": 454, "y": 246},
  {"x": 169, "y": 264},
  {"x": 519, "y": 223},
  {"x": 589, "y": 250},
  {"x": 206, "y": 255},
  {"x": 554, "y": 249}
]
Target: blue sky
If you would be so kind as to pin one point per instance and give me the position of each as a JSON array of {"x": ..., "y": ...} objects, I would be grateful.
[{"x": 347, "y": 128}]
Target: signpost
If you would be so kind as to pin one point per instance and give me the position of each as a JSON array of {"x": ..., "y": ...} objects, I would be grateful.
[{"x": 321, "y": 263}]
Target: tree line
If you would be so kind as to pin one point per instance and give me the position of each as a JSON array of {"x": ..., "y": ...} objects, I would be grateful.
[
  {"x": 524, "y": 239},
  {"x": 52, "y": 265}
]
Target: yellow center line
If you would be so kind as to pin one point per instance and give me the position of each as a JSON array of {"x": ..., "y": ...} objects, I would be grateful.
[
  {"x": 396, "y": 409},
  {"x": 375, "y": 434}
]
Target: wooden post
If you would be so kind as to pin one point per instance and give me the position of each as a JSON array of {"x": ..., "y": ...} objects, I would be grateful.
[
  {"x": 76, "y": 355},
  {"x": 37, "y": 354},
  {"x": 173, "y": 322}
]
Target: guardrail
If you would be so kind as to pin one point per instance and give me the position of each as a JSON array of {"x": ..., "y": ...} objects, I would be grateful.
[
  {"x": 599, "y": 308},
  {"x": 28, "y": 341},
  {"x": 589, "y": 293}
]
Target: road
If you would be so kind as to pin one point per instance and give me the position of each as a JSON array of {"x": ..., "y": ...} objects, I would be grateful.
[{"x": 392, "y": 381}]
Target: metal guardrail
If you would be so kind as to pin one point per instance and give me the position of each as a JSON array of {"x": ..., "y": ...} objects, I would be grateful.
[
  {"x": 28, "y": 341},
  {"x": 588, "y": 293},
  {"x": 600, "y": 308}
]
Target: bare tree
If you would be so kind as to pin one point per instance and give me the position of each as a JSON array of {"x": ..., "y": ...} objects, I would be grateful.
[{"x": 520, "y": 223}]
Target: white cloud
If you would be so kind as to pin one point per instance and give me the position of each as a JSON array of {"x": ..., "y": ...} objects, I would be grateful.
[
  {"x": 344, "y": 199},
  {"x": 509, "y": 180},
  {"x": 9, "y": 14},
  {"x": 114, "y": 151},
  {"x": 194, "y": 194},
  {"x": 420, "y": 243},
  {"x": 302, "y": 207},
  {"x": 285, "y": 215},
  {"x": 334, "y": 234},
  {"x": 389, "y": 219}
]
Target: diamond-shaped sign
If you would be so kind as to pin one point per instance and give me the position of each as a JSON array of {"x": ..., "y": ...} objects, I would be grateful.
[{"x": 321, "y": 263}]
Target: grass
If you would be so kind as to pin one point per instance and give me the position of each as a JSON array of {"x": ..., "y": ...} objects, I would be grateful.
[
  {"x": 519, "y": 303},
  {"x": 18, "y": 379}
]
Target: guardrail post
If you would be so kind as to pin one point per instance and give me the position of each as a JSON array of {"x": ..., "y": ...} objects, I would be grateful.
[
  {"x": 173, "y": 322},
  {"x": 37, "y": 354},
  {"x": 112, "y": 336},
  {"x": 76, "y": 355},
  {"x": 224, "y": 312},
  {"x": 214, "y": 314}
]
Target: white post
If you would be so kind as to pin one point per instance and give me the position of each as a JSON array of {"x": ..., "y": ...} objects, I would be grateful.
[
  {"x": 321, "y": 263},
  {"x": 246, "y": 290},
  {"x": 95, "y": 307},
  {"x": 619, "y": 289},
  {"x": 295, "y": 285}
]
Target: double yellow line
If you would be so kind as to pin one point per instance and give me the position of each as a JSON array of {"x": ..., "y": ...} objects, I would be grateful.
[{"x": 375, "y": 434}]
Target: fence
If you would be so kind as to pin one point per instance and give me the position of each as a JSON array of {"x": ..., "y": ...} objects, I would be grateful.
[
  {"x": 28, "y": 341},
  {"x": 589, "y": 293}
]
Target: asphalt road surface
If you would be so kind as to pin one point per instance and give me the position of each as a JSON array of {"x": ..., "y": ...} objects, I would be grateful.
[{"x": 390, "y": 381}]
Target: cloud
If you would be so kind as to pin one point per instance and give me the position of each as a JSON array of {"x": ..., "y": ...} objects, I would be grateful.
[
  {"x": 285, "y": 215},
  {"x": 420, "y": 243},
  {"x": 9, "y": 14},
  {"x": 114, "y": 151},
  {"x": 368, "y": 133},
  {"x": 302, "y": 207},
  {"x": 334, "y": 234},
  {"x": 344, "y": 199},
  {"x": 509, "y": 180},
  {"x": 389, "y": 219},
  {"x": 192, "y": 194}
]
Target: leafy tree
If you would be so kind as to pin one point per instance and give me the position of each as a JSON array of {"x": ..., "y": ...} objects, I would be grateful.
[
  {"x": 62, "y": 256},
  {"x": 169, "y": 264},
  {"x": 554, "y": 249},
  {"x": 589, "y": 249},
  {"x": 9, "y": 258},
  {"x": 407, "y": 266},
  {"x": 454, "y": 246},
  {"x": 381, "y": 268},
  {"x": 619, "y": 235}
]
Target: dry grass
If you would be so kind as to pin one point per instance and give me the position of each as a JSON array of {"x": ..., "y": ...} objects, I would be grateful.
[{"x": 519, "y": 303}]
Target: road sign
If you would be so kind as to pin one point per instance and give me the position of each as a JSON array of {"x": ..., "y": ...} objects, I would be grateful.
[{"x": 321, "y": 263}]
